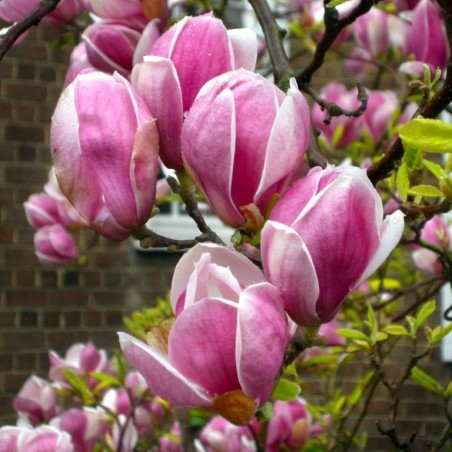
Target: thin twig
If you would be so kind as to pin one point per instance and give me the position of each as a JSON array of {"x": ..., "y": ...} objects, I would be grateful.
[
  {"x": 273, "y": 38},
  {"x": 33, "y": 19},
  {"x": 333, "y": 26}
]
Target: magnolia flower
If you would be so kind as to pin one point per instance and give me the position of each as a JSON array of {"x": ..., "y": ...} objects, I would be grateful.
[
  {"x": 80, "y": 359},
  {"x": 215, "y": 354},
  {"x": 54, "y": 245},
  {"x": 104, "y": 144},
  {"x": 86, "y": 426},
  {"x": 37, "y": 400},
  {"x": 437, "y": 232},
  {"x": 261, "y": 136},
  {"x": 325, "y": 235},
  {"x": 427, "y": 38},
  {"x": 181, "y": 61}
]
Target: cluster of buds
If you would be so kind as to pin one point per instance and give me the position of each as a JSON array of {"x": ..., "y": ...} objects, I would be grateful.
[{"x": 114, "y": 416}]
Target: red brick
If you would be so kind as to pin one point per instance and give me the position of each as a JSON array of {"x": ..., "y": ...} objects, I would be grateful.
[
  {"x": 20, "y": 298},
  {"x": 26, "y": 91},
  {"x": 25, "y": 277},
  {"x": 51, "y": 319},
  {"x": 25, "y": 361},
  {"x": 6, "y": 234},
  {"x": 72, "y": 319},
  {"x": 69, "y": 297},
  {"x": 23, "y": 340},
  {"x": 92, "y": 318},
  {"x": 7, "y": 320},
  {"x": 24, "y": 132}
]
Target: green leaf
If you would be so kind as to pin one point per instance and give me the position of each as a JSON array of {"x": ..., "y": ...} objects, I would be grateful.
[
  {"x": 384, "y": 284},
  {"x": 426, "y": 190},
  {"x": 334, "y": 3},
  {"x": 372, "y": 320},
  {"x": 265, "y": 412},
  {"x": 425, "y": 380},
  {"x": 424, "y": 313},
  {"x": 80, "y": 386},
  {"x": 380, "y": 336},
  {"x": 413, "y": 158},
  {"x": 435, "y": 169},
  {"x": 352, "y": 334},
  {"x": 337, "y": 135},
  {"x": 439, "y": 333},
  {"x": 403, "y": 181},
  {"x": 396, "y": 330},
  {"x": 431, "y": 135},
  {"x": 448, "y": 390},
  {"x": 286, "y": 390}
]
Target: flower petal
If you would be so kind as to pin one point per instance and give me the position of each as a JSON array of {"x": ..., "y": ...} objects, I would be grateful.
[
  {"x": 288, "y": 265},
  {"x": 261, "y": 321},
  {"x": 201, "y": 345},
  {"x": 161, "y": 376}
]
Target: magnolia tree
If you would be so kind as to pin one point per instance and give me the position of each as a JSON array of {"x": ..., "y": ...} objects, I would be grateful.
[{"x": 336, "y": 195}]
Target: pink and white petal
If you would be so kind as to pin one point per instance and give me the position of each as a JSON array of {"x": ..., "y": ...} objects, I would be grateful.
[
  {"x": 246, "y": 272},
  {"x": 288, "y": 265},
  {"x": 161, "y": 376},
  {"x": 342, "y": 239},
  {"x": 391, "y": 232},
  {"x": 109, "y": 153},
  {"x": 288, "y": 143},
  {"x": 147, "y": 39},
  {"x": 143, "y": 169},
  {"x": 216, "y": 162},
  {"x": 261, "y": 340},
  {"x": 201, "y": 345},
  {"x": 157, "y": 82},
  {"x": 244, "y": 46}
]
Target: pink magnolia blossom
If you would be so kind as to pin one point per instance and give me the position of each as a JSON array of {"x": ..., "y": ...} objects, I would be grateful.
[
  {"x": 181, "y": 61},
  {"x": 381, "y": 107},
  {"x": 291, "y": 426},
  {"x": 63, "y": 14},
  {"x": 427, "y": 38},
  {"x": 261, "y": 136},
  {"x": 351, "y": 127},
  {"x": 371, "y": 32},
  {"x": 123, "y": 10},
  {"x": 325, "y": 235},
  {"x": 110, "y": 46},
  {"x": 54, "y": 245},
  {"x": 40, "y": 439},
  {"x": 216, "y": 354},
  {"x": 219, "y": 435},
  {"x": 37, "y": 400},
  {"x": 85, "y": 426},
  {"x": 42, "y": 209},
  {"x": 79, "y": 62},
  {"x": 104, "y": 144},
  {"x": 438, "y": 233},
  {"x": 81, "y": 359}
]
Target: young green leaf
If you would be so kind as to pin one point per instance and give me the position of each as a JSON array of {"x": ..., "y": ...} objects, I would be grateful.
[
  {"x": 424, "y": 313},
  {"x": 439, "y": 332},
  {"x": 425, "y": 380},
  {"x": 435, "y": 169},
  {"x": 426, "y": 190},
  {"x": 286, "y": 390},
  {"x": 403, "y": 181},
  {"x": 352, "y": 334},
  {"x": 430, "y": 135},
  {"x": 396, "y": 330}
]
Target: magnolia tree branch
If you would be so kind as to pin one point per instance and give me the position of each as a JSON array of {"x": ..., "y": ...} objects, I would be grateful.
[
  {"x": 333, "y": 26},
  {"x": 439, "y": 102},
  {"x": 33, "y": 19},
  {"x": 273, "y": 37}
]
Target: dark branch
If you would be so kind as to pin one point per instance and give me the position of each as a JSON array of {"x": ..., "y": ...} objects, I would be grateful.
[
  {"x": 273, "y": 38},
  {"x": 332, "y": 109},
  {"x": 333, "y": 26},
  {"x": 33, "y": 19}
]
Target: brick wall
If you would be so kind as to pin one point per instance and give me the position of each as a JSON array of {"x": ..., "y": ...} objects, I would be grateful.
[{"x": 41, "y": 308}]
